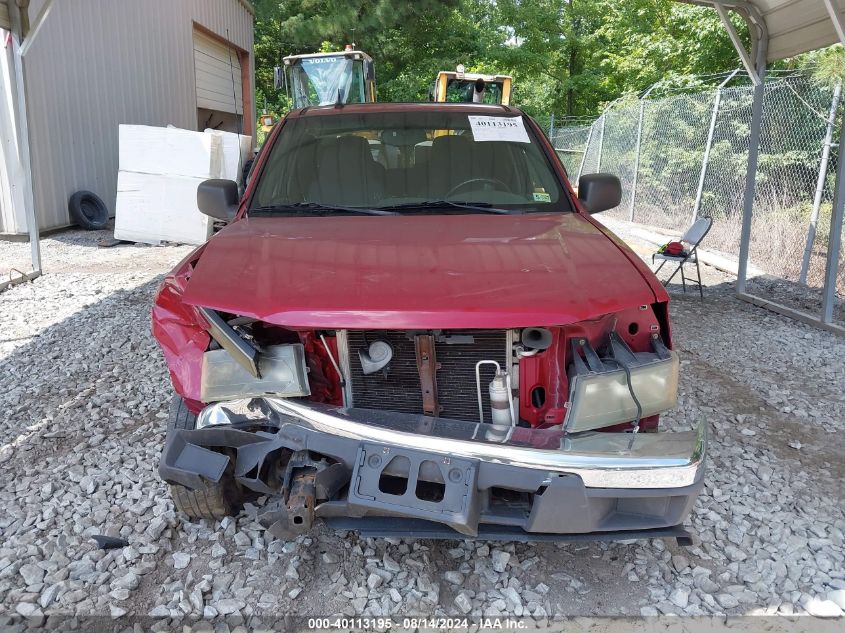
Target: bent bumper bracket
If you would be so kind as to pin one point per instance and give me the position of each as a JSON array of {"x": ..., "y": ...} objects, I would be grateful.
[{"x": 453, "y": 480}]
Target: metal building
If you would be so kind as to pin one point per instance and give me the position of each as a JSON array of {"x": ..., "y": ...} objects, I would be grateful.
[{"x": 90, "y": 65}]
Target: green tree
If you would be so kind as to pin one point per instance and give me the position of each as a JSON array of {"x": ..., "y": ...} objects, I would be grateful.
[
  {"x": 407, "y": 39},
  {"x": 827, "y": 65},
  {"x": 572, "y": 56},
  {"x": 567, "y": 56}
]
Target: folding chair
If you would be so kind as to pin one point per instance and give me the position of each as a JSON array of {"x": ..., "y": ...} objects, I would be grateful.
[{"x": 694, "y": 236}]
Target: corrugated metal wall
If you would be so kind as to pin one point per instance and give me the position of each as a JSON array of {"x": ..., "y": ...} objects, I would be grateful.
[
  {"x": 98, "y": 63},
  {"x": 11, "y": 175}
]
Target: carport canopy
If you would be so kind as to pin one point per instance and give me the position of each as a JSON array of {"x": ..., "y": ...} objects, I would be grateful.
[
  {"x": 780, "y": 29},
  {"x": 792, "y": 26}
]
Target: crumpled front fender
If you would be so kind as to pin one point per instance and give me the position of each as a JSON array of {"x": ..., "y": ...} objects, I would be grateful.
[{"x": 180, "y": 332}]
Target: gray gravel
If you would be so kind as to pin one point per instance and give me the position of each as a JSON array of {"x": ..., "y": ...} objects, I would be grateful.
[{"x": 82, "y": 418}]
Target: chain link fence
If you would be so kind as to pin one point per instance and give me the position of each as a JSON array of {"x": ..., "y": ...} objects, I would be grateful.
[
  {"x": 684, "y": 155},
  {"x": 570, "y": 137}
]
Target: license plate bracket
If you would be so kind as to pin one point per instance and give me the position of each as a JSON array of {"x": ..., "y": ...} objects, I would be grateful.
[{"x": 450, "y": 484}]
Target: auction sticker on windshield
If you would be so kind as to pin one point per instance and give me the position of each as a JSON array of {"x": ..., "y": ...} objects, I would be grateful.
[{"x": 498, "y": 128}]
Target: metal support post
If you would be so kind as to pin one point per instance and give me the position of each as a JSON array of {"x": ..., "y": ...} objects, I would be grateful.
[
  {"x": 834, "y": 243},
  {"x": 637, "y": 155},
  {"x": 22, "y": 133},
  {"x": 836, "y": 17},
  {"x": 752, "y": 67},
  {"x": 586, "y": 151},
  {"x": 817, "y": 199},
  {"x": 601, "y": 140},
  {"x": 705, "y": 161},
  {"x": 758, "y": 76},
  {"x": 750, "y": 184}
]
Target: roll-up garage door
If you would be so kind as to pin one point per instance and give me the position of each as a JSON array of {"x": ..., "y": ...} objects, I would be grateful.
[{"x": 218, "y": 71}]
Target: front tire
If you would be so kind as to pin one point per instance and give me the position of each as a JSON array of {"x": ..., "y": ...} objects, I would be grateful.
[{"x": 216, "y": 500}]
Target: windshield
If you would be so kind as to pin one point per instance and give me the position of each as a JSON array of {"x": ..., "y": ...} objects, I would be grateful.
[
  {"x": 326, "y": 81},
  {"x": 434, "y": 160}
]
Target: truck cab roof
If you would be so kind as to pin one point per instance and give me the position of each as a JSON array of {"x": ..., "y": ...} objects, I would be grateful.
[{"x": 423, "y": 106}]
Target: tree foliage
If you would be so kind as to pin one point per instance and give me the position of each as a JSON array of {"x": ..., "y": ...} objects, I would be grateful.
[
  {"x": 827, "y": 65},
  {"x": 568, "y": 57}
]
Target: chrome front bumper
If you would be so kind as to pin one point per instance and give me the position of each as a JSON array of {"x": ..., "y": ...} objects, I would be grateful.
[{"x": 620, "y": 461}]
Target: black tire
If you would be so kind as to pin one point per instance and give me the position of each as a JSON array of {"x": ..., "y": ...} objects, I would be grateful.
[
  {"x": 215, "y": 501},
  {"x": 88, "y": 210},
  {"x": 180, "y": 417}
]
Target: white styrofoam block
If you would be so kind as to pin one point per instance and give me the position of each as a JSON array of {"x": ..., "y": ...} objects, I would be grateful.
[
  {"x": 171, "y": 151},
  {"x": 236, "y": 148},
  {"x": 153, "y": 208}
]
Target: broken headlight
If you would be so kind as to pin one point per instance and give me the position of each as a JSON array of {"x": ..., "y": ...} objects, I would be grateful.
[
  {"x": 282, "y": 368},
  {"x": 601, "y": 386},
  {"x": 241, "y": 369}
]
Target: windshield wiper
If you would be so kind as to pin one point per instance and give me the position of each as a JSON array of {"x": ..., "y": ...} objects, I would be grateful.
[
  {"x": 482, "y": 207},
  {"x": 316, "y": 206}
]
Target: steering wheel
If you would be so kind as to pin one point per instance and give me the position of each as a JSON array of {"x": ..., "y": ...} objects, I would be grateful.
[{"x": 497, "y": 184}]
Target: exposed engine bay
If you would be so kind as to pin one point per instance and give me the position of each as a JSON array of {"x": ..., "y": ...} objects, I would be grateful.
[
  {"x": 516, "y": 377},
  {"x": 456, "y": 427},
  {"x": 462, "y": 428}
]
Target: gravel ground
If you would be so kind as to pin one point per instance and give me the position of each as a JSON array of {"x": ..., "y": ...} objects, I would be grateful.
[{"x": 82, "y": 421}]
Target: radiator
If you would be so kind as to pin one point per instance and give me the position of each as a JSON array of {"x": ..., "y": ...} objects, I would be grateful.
[{"x": 399, "y": 389}]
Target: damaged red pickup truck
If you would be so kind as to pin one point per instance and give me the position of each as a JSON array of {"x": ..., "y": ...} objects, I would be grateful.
[{"x": 412, "y": 326}]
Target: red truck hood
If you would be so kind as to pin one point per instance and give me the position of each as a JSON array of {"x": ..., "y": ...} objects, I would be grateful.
[{"x": 409, "y": 272}]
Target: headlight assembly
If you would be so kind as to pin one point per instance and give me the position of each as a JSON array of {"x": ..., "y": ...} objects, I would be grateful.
[
  {"x": 283, "y": 372},
  {"x": 599, "y": 390}
]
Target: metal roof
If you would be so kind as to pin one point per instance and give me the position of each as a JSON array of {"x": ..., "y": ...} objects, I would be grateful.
[{"x": 793, "y": 26}]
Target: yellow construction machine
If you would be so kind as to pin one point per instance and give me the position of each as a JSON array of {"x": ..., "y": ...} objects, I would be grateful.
[
  {"x": 328, "y": 78},
  {"x": 458, "y": 86}
]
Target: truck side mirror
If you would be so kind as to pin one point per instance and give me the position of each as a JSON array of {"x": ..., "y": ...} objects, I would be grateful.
[
  {"x": 218, "y": 198},
  {"x": 599, "y": 192}
]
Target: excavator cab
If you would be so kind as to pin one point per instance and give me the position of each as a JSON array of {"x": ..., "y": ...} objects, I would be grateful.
[{"x": 328, "y": 78}]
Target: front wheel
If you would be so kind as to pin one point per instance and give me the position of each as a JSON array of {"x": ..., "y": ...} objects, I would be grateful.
[{"x": 216, "y": 500}]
